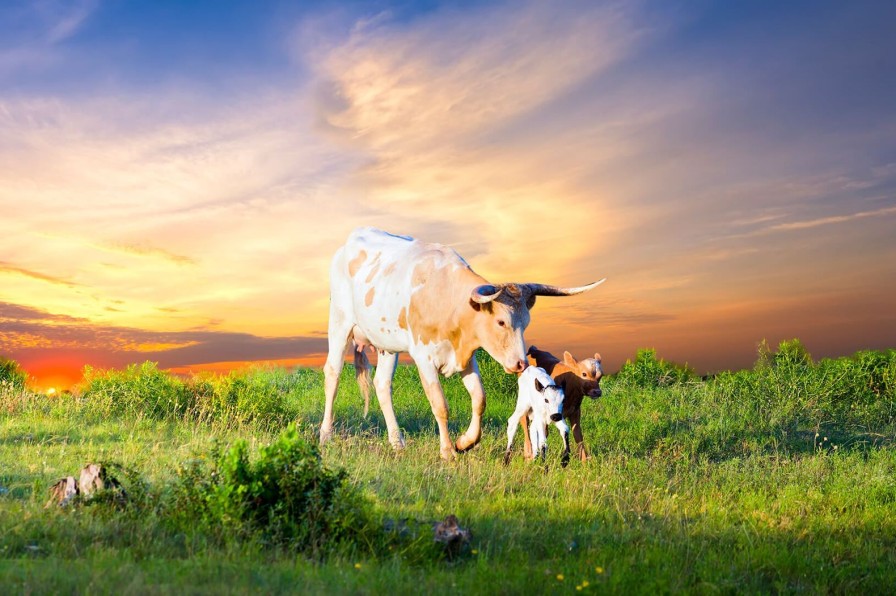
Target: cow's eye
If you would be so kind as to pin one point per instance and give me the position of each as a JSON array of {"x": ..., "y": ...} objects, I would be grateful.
[
  {"x": 584, "y": 374},
  {"x": 545, "y": 400},
  {"x": 501, "y": 323}
]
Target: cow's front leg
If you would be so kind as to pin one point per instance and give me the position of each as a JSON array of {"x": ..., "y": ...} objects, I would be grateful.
[
  {"x": 429, "y": 377},
  {"x": 385, "y": 370},
  {"x": 473, "y": 383}
]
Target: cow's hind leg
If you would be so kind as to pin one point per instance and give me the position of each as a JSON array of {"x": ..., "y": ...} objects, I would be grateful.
[
  {"x": 362, "y": 375},
  {"x": 339, "y": 342},
  {"x": 382, "y": 381},
  {"x": 473, "y": 383}
]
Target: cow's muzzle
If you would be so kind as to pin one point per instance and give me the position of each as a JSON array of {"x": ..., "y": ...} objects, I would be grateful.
[
  {"x": 517, "y": 368},
  {"x": 595, "y": 393},
  {"x": 556, "y": 417}
]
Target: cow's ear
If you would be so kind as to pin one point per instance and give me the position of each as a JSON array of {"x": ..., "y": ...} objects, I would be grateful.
[
  {"x": 538, "y": 386},
  {"x": 569, "y": 361},
  {"x": 597, "y": 356}
]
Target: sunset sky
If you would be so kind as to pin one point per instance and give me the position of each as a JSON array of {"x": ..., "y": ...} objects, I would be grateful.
[{"x": 175, "y": 177}]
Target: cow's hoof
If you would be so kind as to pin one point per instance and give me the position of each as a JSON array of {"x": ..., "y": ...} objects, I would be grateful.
[
  {"x": 397, "y": 442},
  {"x": 325, "y": 435},
  {"x": 507, "y": 458},
  {"x": 463, "y": 444},
  {"x": 448, "y": 453}
]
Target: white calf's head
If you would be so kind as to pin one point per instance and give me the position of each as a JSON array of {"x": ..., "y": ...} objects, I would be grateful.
[{"x": 544, "y": 395}]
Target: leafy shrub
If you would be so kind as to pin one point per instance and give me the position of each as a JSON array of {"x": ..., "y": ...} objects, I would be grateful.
[
  {"x": 286, "y": 496},
  {"x": 256, "y": 395},
  {"x": 11, "y": 374},
  {"x": 789, "y": 396},
  {"x": 648, "y": 371},
  {"x": 138, "y": 389}
]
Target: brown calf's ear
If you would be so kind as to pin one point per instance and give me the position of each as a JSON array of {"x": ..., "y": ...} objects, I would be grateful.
[
  {"x": 597, "y": 356},
  {"x": 568, "y": 360},
  {"x": 538, "y": 386}
]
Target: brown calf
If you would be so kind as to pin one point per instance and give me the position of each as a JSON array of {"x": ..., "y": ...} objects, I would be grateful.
[{"x": 578, "y": 379}]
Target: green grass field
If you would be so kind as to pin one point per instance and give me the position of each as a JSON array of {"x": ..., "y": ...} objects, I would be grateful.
[{"x": 779, "y": 478}]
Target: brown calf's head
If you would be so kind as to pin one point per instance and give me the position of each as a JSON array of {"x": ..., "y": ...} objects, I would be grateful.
[
  {"x": 588, "y": 371},
  {"x": 503, "y": 315}
]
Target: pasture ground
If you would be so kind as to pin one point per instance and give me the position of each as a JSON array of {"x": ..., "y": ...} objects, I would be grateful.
[{"x": 696, "y": 486}]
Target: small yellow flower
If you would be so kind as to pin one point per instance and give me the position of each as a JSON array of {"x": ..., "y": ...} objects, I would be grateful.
[
  {"x": 357, "y": 565},
  {"x": 579, "y": 588},
  {"x": 559, "y": 577},
  {"x": 599, "y": 569},
  {"x": 475, "y": 551},
  {"x": 585, "y": 584}
]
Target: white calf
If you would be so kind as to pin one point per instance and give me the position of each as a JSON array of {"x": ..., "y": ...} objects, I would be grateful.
[{"x": 542, "y": 400}]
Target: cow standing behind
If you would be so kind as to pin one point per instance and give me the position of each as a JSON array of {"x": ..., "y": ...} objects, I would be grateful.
[
  {"x": 578, "y": 379},
  {"x": 541, "y": 401},
  {"x": 402, "y": 295}
]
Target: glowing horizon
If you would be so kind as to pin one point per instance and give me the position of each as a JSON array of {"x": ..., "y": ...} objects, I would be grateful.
[{"x": 173, "y": 183}]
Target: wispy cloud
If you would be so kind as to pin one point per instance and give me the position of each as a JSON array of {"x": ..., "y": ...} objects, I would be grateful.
[
  {"x": 35, "y": 30},
  {"x": 826, "y": 221},
  {"x": 12, "y": 269}
]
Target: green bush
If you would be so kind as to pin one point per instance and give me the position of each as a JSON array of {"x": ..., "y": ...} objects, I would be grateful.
[
  {"x": 286, "y": 495},
  {"x": 11, "y": 374},
  {"x": 138, "y": 389},
  {"x": 648, "y": 371},
  {"x": 256, "y": 395}
]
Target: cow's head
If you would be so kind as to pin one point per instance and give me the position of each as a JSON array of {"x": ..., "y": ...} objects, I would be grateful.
[
  {"x": 588, "y": 371},
  {"x": 503, "y": 315}
]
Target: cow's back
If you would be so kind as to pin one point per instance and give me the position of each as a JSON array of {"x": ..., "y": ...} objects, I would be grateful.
[{"x": 382, "y": 273}]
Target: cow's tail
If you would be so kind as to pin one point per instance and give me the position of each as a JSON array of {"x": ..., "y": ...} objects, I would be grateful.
[{"x": 362, "y": 374}]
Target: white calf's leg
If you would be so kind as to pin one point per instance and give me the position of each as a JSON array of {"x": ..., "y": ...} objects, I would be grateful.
[
  {"x": 564, "y": 433},
  {"x": 512, "y": 423}
]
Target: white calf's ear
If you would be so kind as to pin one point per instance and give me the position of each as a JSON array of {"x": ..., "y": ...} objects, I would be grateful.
[{"x": 538, "y": 386}]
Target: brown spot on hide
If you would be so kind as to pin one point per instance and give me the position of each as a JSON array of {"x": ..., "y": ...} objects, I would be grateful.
[
  {"x": 372, "y": 273},
  {"x": 356, "y": 263},
  {"x": 389, "y": 269},
  {"x": 368, "y": 299},
  {"x": 440, "y": 310}
]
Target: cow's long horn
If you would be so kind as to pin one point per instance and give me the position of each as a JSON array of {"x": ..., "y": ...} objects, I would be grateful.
[
  {"x": 546, "y": 290},
  {"x": 485, "y": 293}
]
